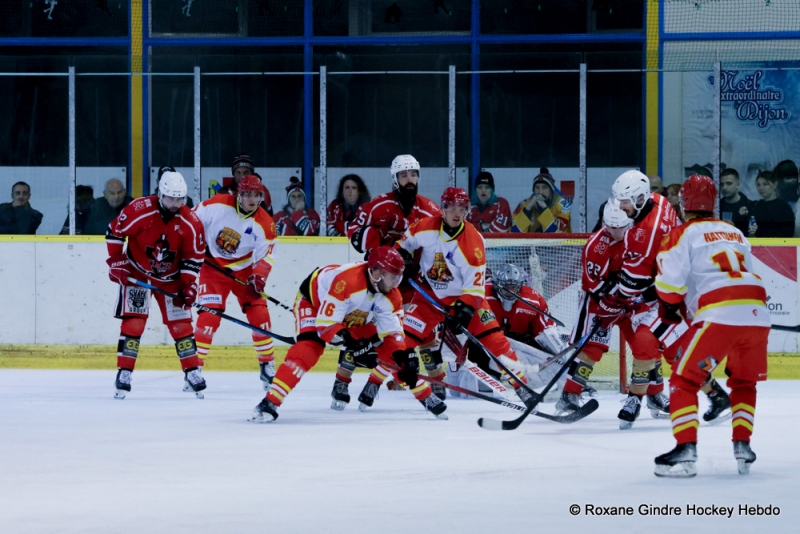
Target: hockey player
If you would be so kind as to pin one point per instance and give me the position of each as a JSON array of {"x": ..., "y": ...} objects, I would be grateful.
[
  {"x": 601, "y": 261},
  {"x": 653, "y": 218},
  {"x": 382, "y": 221},
  {"x": 452, "y": 260},
  {"x": 241, "y": 239},
  {"x": 165, "y": 249},
  {"x": 705, "y": 271},
  {"x": 336, "y": 305}
]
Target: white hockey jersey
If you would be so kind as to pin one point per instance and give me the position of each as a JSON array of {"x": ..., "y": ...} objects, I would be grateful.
[
  {"x": 453, "y": 266},
  {"x": 342, "y": 299},
  {"x": 236, "y": 241},
  {"x": 708, "y": 264}
]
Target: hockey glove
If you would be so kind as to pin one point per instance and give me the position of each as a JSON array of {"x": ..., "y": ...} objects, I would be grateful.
[
  {"x": 186, "y": 297},
  {"x": 610, "y": 309},
  {"x": 257, "y": 279},
  {"x": 409, "y": 366},
  {"x": 364, "y": 354},
  {"x": 118, "y": 268},
  {"x": 461, "y": 316},
  {"x": 669, "y": 313},
  {"x": 411, "y": 268}
]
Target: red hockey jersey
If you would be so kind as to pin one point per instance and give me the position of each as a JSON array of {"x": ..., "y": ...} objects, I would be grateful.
[
  {"x": 654, "y": 222},
  {"x": 381, "y": 221},
  {"x": 495, "y": 218},
  {"x": 601, "y": 260},
  {"x": 158, "y": 250},
  {"x": 520, "y": 322}
]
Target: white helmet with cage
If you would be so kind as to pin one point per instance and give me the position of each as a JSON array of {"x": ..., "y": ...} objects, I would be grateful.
[
  {"x": 615, "y": 220},
  {"x": 172, "y": 184},
  {"x": 403, "y": 162},
  {"x": 634, "y": 186}
]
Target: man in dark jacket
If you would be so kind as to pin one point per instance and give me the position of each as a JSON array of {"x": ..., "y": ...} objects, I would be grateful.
[
  {"x": 106, "y": 208},
  {"x": 18, "y": 217}
]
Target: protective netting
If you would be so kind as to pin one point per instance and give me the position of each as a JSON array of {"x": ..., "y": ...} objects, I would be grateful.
[
  {"x": 723, "y": 30},
  {"x": 552, "y": 266},
  {"x": 64, "y": 18}
]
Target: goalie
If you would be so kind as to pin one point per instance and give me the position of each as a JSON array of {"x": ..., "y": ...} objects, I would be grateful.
[{"x": 524, "y": 319}]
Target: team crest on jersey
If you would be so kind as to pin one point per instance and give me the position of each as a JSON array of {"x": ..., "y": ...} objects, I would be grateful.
[
  {"x": 160, "y": 256},
  {"x": 340, "y": 285},
  {"x": 639, "y": 235},
  {"x": 439, "y": 272},
  {"x": 228, "y": 240},
  {"x": 601, "y": 247},
  {"x": 355, "y": 318},
  {"x": 486, "y": 316},
  {"x": 478, "y": 253}
]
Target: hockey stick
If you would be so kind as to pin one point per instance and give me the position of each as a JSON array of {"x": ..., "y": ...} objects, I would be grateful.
[
  {"x": 229, "y": 273},
  {"x": 519, "y": 298},
  {"x": 218, "y": 313},
  {"x": 583, "y": 411}
]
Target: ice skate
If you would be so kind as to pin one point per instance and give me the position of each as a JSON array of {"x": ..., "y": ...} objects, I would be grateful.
[
  {"x": 264, "y": 412},
  {"x": 719, "y": 408},
  {"x": 266, "y": 373},
  {"x": 195, "y": 382},
  {"x": 658, "y": 405},
  {"x": 340, "y": 395},
  {"x": 367, "y": 396},
  {"x": 122, "y": 383},
  {"x": 744, "y": 455},
  {"x": 589, "y": 391},
  {"x": 568, "y": 403},
  {"x": 679, "y": 462},
  {"x": 435, "y": 405},
  {"x": 629, "y": 412},
  {"x": 439, "y": 390}
]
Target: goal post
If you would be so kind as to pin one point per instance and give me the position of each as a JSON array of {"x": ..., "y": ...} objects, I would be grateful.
[{"x": 551, "y": 264}]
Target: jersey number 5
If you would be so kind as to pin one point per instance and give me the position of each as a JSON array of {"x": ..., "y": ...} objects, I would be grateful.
[{"x": 723, "y": 261}]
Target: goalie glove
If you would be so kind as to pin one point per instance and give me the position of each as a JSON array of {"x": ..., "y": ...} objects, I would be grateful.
[{"x": 550, "y": 340}]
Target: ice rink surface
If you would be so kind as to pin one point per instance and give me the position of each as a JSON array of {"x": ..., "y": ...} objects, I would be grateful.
[{"x": 73, "y": 459}]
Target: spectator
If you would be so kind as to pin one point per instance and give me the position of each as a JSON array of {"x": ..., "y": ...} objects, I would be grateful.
[
  {"x": 267, "y": 202},
  {"x": 545, "y": 211},
  {"x": 656, "y": 186},
  {"x": 295, "y": 218},
  {"x": 84, "y": 195},
  {"x": 672, "y": 192},
  {"x": 18, "y": 217},
  {"x": 774, "y": 217},
  {"x": 786, "y": 174},
  {"x": 734, "y": 204},
  {"x": 106, "y": 208},
  {"x": 489, "y": 213},
  {"x": 352, "y": 193},
  {"x": 167, "y": 168}
]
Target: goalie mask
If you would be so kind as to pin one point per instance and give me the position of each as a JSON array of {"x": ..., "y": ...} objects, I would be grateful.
[{"x": 508, "y": 283}]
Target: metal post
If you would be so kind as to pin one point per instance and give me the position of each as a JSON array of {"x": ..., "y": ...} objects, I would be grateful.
[
  {"x": 451, "y": 141},
  {"x": 72, "y": 177},
  {"x": 197, "y": 135},
  {"x": 582, "y": 188},
  {"x": 323, "y": 149},
  {"x": 715, "y": 154}
]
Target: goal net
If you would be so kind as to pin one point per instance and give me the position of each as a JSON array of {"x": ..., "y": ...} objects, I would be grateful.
[{"x": 552, "y": 266}]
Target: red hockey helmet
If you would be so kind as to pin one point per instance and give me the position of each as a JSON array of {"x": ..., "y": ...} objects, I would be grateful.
[
  {"x": 698, "y": 193},
  {"x": 455, "y": 196},
  {"x": 386, "y": 259},
  {"x": 250, "y": 183}
]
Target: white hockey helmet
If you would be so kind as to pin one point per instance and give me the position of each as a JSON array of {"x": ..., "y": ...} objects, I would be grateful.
[
  {"x": 403, "y": 162},
  {"x": 172, "y": 184},
  {"x": 615, "y": 220},
  {"x": 634, "y": 186}
]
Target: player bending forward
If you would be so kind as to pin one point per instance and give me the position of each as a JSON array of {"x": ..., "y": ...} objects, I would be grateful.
[
  {"x": 165, "y": 249},
  {"x": 241, "y": 241},
  {"x": 706, "y": 266},
  {"x": 336, "y": 305},
  {"x": 452, "y": 261}
]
